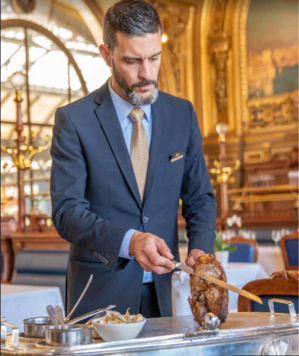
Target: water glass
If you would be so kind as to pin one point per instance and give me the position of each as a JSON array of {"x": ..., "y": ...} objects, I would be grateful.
[{"x": 276, "y": 236}]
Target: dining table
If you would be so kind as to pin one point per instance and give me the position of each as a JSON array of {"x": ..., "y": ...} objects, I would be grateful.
[
  {"x": 19, "y": 302},
  {"x": 238, "y": 274}
]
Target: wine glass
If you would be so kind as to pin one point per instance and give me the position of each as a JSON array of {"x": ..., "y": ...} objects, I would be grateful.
[
  {"x": 246, "y": 234},
  {"x": 283, "y": 232},
  {"x": 253, "y": 235},
  {"x": 224, "y": 236},
  {"x": 276, "y": 236}
]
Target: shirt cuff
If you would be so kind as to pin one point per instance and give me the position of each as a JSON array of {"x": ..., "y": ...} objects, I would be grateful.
[{"x": 124, "y": 248}]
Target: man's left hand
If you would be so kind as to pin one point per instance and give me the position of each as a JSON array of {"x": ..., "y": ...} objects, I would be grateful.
[{"x": 193, "y": 256}]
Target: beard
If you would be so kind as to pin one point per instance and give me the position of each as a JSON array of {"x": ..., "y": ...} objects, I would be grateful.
[{"x": 130, "y": 92}]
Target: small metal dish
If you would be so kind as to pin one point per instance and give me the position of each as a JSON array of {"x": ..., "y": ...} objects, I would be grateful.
[
  {"x": 34, "y": 327},
  {"x": 72, "y": 335}
]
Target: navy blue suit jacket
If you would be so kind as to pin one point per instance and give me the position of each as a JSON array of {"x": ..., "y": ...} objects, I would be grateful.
[{"x": 95, "y": 197}]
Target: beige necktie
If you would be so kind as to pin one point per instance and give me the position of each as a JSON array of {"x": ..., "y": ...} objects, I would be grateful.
[{"x": 139, "y": 150}]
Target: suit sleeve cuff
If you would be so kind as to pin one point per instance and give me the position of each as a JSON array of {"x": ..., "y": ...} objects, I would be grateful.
[{"x": 124, "y": 248}]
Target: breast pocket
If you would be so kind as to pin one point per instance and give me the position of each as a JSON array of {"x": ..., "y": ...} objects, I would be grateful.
[
  {"x": 176, "y": 162},
  {"x": 176, "y": 156},
  {"x": 170, "y": 172}
]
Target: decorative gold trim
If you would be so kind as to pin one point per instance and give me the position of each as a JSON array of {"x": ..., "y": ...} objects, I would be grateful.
[
  {"x": 197, "y": 65},
  {"x": 218, "y": 49},
  {"x": 238, "y": 101},
  {"x": 243, "y": 62},
  {"x": 187, "y": 84},
  {"x": 235, "y": 25},
  {"x": 279, "y": 110},
  {"x": 264, "y": 198},
  {"x": 167, "y": 81},
  {"x": 262, "y": 190},
  {"x": 207, "y": 75},
  {"x": 174, "y": 17}
]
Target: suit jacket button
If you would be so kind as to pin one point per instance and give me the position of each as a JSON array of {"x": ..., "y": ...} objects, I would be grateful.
[{"x": 145, "y": 219}]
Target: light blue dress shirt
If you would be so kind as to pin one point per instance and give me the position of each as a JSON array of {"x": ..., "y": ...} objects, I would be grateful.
[{"x": 123, "y": 109}]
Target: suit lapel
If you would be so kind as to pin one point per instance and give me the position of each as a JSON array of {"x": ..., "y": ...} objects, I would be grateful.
[
  {"x": 107, "y": 116},
  {"x": 158, "y": 115}
]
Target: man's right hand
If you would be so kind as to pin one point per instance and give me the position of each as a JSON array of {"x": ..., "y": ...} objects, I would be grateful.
[{"x": 151, "y": 252}]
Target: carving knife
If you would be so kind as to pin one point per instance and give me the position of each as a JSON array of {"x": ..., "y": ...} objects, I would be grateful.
[{"x": 244, "y": 293}]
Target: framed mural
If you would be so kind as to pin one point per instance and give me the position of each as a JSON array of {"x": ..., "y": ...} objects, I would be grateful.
[{"x": 272, "y": 64}]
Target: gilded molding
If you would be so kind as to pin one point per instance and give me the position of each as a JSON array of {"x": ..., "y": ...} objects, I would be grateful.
[
  {"x": 243, "y": 62},
  {"x": 256, "y": 114},
  {"x": 167, "y": 79},
  {"x": 219, "y": 45},
  {"x": 219, "y": 15},
  {"x": 187, "y": 64},
  {"x": 209, "y": 110},
  {"x": 273, "y": 111},
  {"x": 218, "y": 49},
  {"x": 175, "y": 17}
]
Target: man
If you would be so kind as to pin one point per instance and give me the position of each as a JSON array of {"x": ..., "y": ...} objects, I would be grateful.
[{"x": 122, "y": 158}]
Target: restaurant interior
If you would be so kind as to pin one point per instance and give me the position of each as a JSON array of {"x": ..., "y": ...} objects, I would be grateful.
[{"x": 235, "y": 60}]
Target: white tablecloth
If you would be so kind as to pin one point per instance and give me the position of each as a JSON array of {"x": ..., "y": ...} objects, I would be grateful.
[
  {"x": 19, "y": 302},
  {"x": 270, "y": 258},
  {"x": 238, "y": 274}
]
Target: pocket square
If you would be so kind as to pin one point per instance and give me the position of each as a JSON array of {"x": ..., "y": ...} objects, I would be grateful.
[{"x": 176, "y": 155}]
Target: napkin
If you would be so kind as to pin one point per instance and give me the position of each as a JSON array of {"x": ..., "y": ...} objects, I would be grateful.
[{"x": 180, "y": 292}]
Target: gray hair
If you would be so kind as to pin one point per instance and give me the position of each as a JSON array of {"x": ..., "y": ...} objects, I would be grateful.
[{"x": 132, "y": 18}]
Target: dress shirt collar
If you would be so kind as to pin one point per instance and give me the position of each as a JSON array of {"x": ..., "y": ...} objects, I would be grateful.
[{"x": 123, "y": 107}]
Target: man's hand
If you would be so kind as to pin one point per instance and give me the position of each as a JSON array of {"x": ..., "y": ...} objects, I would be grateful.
[
  {"x": 193, "y": 256},
  {"x": 151, "y": 252}
]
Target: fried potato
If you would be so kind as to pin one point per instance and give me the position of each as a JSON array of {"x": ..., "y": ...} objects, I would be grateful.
[{"x": 113, "y": 317}]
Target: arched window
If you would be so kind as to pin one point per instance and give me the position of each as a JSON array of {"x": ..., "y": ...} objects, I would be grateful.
[{"x": 60, "y": 65}]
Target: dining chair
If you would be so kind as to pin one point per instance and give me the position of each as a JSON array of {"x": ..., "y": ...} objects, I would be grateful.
[
  {"x": 246, "y": 250},
  {"x": 281, "y": 285},
  {"x": 41, "y": 268},
  {"x": 289, "y": 248}
]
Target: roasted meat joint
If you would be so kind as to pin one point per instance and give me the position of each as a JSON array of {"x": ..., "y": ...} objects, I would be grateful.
[{"x": 206, "y": 296}]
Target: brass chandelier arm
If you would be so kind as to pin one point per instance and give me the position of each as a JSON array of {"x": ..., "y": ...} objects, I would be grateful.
[
  {"x": 23, "y": 158},
  {"x": 224, "y": 173}
]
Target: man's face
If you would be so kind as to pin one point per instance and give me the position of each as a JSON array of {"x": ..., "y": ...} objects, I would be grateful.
[{"x": 136, "y": 66}]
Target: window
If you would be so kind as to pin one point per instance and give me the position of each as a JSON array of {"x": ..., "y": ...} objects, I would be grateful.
[{"x": 61, "y": 64}]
